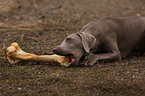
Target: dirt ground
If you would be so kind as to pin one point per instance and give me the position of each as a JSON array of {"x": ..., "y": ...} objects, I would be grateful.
[{"x": 40, "y": 25}]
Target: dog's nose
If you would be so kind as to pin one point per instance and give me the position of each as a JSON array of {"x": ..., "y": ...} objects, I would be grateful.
[{"x": 54, "y": 50}]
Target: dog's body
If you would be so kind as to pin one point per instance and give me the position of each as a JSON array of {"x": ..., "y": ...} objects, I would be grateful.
[{"x": 108, "y": 38}]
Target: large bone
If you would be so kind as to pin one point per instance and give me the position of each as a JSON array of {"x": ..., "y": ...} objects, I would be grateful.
[{"x": 15, "y": 54}]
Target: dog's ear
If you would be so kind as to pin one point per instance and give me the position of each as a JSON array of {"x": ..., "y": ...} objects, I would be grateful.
[{"x": 88, "y": 41}]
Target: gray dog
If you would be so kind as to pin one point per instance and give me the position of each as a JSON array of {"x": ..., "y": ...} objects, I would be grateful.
[{"x": 107, "y": 39}]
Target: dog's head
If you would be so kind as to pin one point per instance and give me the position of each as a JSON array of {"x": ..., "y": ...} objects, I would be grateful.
[{"x": 75, "y": 46}]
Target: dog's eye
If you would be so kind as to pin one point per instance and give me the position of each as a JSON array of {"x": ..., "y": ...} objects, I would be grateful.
[{"x": 68, "y": 39}]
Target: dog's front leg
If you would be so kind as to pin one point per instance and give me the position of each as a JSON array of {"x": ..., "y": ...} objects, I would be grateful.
[
  {"x": 93, "y": 58},
  {"x": 113, "y": 53}
]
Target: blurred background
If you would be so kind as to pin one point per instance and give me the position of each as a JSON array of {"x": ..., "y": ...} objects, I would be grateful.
[{"x": 67, "y": 12}]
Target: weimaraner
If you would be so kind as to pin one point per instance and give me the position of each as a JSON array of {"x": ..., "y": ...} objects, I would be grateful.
[{"x": 107, "y": 38}]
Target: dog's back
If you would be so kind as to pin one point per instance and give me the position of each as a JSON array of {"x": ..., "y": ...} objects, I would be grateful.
[{"x": 129, "y": 31}]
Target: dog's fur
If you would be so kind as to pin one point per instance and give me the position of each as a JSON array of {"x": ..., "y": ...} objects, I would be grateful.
[{"x": 107, "y": 38}]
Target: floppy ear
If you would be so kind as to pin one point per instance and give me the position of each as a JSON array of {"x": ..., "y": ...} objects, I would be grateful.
[{"x": 88, "y": 41}]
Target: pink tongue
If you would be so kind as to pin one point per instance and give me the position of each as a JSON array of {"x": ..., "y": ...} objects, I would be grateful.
[{"x": 73, "y": 61}]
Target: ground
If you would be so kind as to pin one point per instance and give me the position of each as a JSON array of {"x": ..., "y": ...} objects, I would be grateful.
[{"x": 40, "y": 25}]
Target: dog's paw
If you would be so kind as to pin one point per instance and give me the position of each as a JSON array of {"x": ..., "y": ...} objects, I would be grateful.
[{"x": 90, "y": 60}]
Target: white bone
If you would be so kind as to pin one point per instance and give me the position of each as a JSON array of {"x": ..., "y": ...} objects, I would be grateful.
[{"x": 15, "y": 54}]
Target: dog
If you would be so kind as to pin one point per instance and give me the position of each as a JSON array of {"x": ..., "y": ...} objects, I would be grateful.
[{"x": 108, "y": 38}]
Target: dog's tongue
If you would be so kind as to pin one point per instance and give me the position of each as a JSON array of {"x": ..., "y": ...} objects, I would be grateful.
[{"x": 73, "y": 61}]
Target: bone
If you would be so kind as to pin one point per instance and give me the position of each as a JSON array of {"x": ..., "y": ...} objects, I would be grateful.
[{"x": 15, "y": 54}]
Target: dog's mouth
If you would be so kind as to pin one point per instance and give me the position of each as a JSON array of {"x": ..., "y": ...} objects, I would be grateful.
[{"x": 73, "y": 59}]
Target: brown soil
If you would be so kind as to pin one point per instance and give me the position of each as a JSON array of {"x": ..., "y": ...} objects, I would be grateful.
[{"x": 40, "y": 25}]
